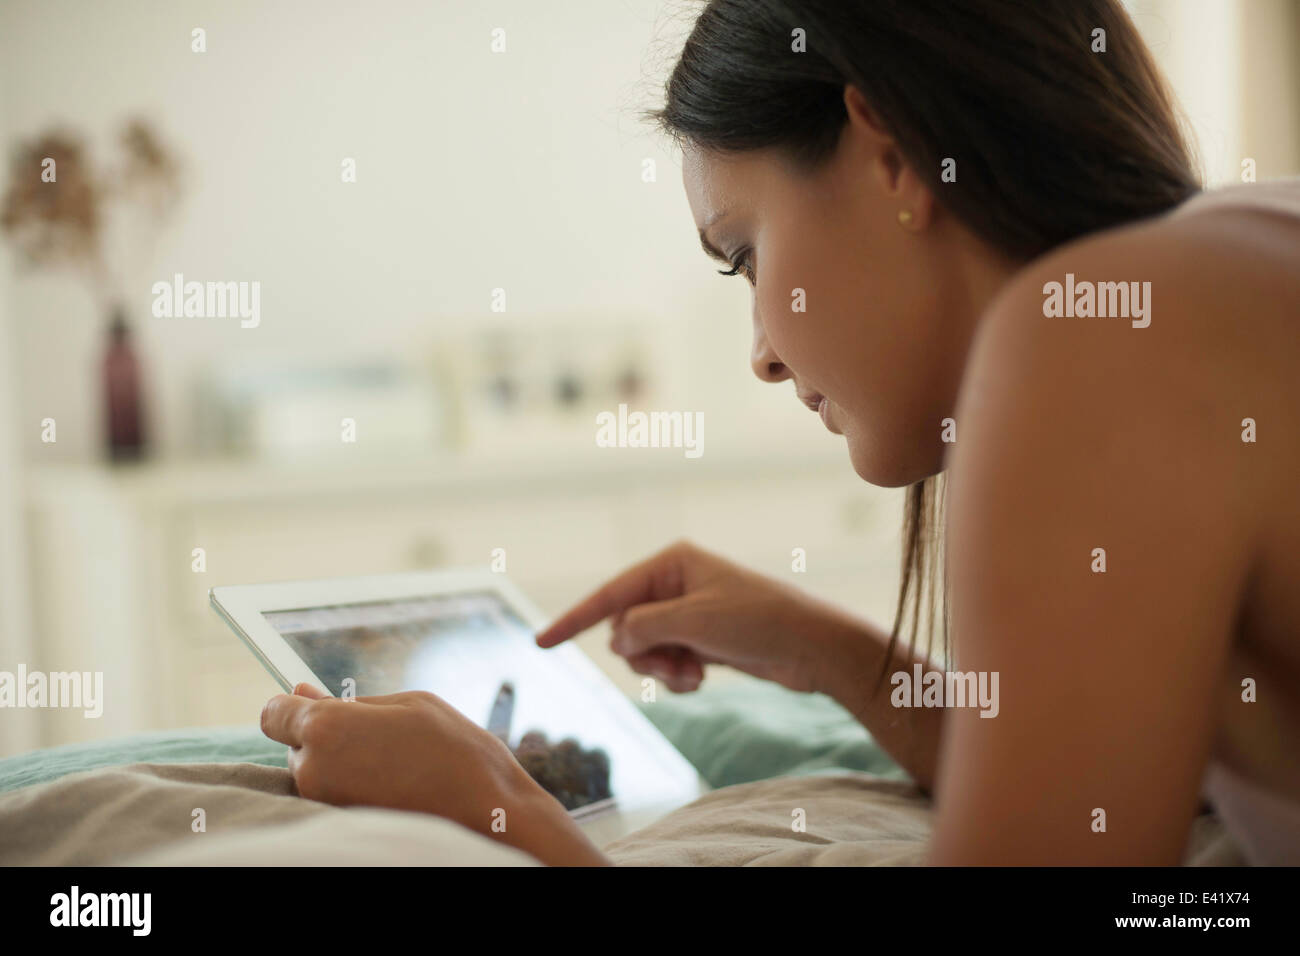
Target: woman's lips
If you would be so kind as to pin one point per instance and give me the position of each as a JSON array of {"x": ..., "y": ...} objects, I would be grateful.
[
  {"x": 822, "y": 406},
  {"x": 824, "y": 410}
]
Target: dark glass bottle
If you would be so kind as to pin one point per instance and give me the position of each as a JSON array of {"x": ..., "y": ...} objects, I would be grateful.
[{"x": 122, "y": 394}]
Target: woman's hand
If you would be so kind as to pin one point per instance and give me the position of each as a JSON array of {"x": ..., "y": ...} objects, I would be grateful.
[
  {"x": 684, "y": 608},
  {"x": 414, "y": 751}
]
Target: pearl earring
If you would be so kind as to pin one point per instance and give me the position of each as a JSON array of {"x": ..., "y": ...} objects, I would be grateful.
[{"x": 904, "y": 218}]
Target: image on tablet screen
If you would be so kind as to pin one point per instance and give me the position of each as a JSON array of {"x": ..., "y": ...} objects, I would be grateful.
[{"x": 478, "y": 655}]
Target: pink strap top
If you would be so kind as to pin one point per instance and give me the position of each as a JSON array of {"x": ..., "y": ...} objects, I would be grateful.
[
  {"x": 1281, "y": 196},
  {"x": 1264, "y": 825}
]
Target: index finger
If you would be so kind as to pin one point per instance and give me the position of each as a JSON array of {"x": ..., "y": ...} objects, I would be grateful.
[{"x": 637, "y": 585}]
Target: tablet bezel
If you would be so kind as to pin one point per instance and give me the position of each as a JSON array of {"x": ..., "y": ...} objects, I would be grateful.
[{"x": 243, "y": 606}]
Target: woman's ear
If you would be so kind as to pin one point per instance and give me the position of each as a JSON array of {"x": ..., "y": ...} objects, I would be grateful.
[
  {"x": 861, "y": 113},
  {"x": 880, "y": 151}
]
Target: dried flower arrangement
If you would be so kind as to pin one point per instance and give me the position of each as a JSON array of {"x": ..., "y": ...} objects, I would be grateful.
[
  {"x": 57, "y": 211},
  {"x": 57, "y": 204}
]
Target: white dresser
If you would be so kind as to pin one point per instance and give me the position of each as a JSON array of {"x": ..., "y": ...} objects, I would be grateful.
[{"x": 114, "y": 589}]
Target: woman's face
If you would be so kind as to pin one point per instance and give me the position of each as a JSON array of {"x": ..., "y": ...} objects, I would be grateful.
[{"x": 869, "y": 318}]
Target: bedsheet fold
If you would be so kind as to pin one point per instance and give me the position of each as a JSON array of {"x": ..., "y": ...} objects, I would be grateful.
[{"x": 144, "y": 814}]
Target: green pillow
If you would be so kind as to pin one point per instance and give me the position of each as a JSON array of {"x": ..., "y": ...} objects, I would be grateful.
[
  {"x": 192, "y": 745},
  {"x": 734, "y": 732},
  {"x": 747, "y": 729}
]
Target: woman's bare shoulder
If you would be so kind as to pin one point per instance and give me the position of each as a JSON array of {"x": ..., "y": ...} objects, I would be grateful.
[
  {"x": 1170, "y": 338},
  {"x": 1102, "y": 520},
  {"x": 1206, "y": 275}
]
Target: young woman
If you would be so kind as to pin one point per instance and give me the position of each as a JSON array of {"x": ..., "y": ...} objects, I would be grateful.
[{"x": 1010, "y": 277}]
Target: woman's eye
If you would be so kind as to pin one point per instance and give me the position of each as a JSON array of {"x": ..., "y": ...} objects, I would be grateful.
[{"x": 742, "y": 266}]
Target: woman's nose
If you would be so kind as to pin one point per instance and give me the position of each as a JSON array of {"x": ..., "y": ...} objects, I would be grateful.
[{"x": 765, "y": 363}]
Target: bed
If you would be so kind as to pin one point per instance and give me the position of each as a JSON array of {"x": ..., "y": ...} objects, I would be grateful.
[{"x": 797, "y": 781}]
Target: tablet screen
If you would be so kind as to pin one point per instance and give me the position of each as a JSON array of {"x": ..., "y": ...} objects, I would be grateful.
[{"x": 478, "y": 655}]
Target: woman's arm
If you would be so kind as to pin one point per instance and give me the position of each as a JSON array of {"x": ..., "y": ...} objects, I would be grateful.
[
  {"x": 850, "y": 672},
  {"x": 1099, "y": 539},
  {"x": 545, "y": 830}
]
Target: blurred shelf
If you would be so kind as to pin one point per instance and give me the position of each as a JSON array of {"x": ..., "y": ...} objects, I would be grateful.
[{"x": 224, "y": 479}]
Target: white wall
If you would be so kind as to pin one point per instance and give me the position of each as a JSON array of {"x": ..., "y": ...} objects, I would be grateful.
[
  {"x": 1270, "y": 86},
  {"x": 520, "y": 170},
  {"x": 1233, "y": 66},
  {"x": 476, "y": 170},
  {"x": 17, "y": 727}
]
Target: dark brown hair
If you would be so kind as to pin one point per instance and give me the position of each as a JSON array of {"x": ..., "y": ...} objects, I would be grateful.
[{"x": 1053, "y": 139}]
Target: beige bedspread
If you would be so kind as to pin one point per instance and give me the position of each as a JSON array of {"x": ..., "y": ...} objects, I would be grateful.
[{"x": 143, "y": 814}]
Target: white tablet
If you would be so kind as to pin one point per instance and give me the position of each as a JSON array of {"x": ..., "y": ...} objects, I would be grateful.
[{"x": 467, "y": 636}]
